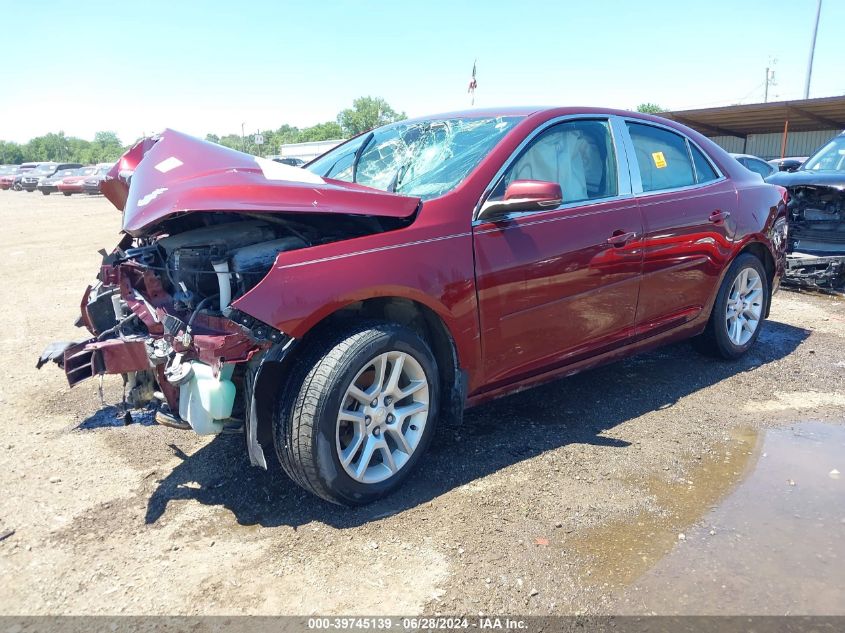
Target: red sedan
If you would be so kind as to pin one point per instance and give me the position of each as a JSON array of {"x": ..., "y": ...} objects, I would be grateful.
[
  {"x": 337, "y": 313},
  {"x": 73, "y": 184}
]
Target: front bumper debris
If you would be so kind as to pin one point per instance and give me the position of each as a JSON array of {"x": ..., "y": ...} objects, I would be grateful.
[{"x": 822, "y": 273}]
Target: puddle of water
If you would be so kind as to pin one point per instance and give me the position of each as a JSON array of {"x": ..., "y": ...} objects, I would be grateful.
[
  {"x": 774, "y": 545},
  {"x": 620, "y": 552}
]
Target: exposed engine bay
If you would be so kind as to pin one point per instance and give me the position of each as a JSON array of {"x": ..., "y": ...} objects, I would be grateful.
[
  {"x": 816, "y": 237},
  {"x": 203, "y": 226},
  {"x": 816, "y": 247},
  {"x": 160, "y": 314}
]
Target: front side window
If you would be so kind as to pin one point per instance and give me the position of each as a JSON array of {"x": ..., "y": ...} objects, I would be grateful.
[
  {"x": 415, "y": 158},
  {"x": 662, "y": 157},
  {"x": 578, "y": 155}
]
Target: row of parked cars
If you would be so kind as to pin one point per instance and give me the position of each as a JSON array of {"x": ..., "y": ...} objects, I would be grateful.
[
  {"x": 52, "y": 177},
  {"x": 767, "y": 168}
]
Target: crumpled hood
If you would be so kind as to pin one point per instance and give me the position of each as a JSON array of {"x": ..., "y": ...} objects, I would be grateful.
[
  {"x": 835, "y": 179},
  {"x": 175, "y": 173}
]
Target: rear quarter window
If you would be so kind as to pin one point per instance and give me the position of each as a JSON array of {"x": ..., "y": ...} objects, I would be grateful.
[{"x": 703, "y": 169}]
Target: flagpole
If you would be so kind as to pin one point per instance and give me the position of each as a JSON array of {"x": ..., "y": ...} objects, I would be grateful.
[{"x": 473, "y": 84}]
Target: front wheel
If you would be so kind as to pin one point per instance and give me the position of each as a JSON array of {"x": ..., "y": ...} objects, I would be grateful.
[
  {"x": 67, "y": 193},
  {"x": 738, "y": 311},
  {"x": 352, "y": 424}
]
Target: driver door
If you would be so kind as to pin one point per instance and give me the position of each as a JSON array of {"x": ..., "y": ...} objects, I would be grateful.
[{"x": 555, "y": 286}]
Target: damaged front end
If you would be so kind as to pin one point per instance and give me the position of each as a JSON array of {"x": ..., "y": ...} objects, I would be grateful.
[
  {"x": 816, "y": 245},
  {"x": 203, "y": 225}
]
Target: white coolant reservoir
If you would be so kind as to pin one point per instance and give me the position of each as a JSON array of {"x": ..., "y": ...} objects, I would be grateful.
[{"x": 205, "y": 400}]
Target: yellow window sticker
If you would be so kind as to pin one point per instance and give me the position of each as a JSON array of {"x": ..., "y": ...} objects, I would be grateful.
[{"x": 659, "y": 160}]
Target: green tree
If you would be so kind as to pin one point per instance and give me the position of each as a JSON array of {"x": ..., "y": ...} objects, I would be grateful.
[
  {"x": 212, "y": 138},
  {"x": 321, "y": 132},
  {"x": 105, "y": 148},
  {"x": 367, "y": 113},
  {"x": 650, "y": 108},
  {"x": 10, "y": 153},
  {"x": 232, "y": 141}
]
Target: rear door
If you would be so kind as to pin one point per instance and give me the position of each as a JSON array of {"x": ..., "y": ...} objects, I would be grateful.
[
  {"x": 558, "y": 285},
  {"x": 686, "y": 205}
]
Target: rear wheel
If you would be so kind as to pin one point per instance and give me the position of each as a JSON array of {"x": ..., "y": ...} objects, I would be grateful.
[
  {"x": 67, "y": 193},
  {"x": 46, "y": 193},
  {"x": 737, "y": 315},
  {"x": 353, "y": 422}
]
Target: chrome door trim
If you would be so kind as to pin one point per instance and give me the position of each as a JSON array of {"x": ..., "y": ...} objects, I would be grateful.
[{"x": 636, "y": 178}]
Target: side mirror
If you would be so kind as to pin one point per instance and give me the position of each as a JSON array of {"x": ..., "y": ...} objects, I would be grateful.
[{"x": 523, "y": 195}]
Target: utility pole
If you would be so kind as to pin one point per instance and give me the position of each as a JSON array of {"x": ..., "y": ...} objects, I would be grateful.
[
  {"x": 770, "y": 79},
  {"x": 812, "y": 50}
]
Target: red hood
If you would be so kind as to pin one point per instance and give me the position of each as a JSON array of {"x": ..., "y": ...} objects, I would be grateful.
[{"x": 176, "y": 173}]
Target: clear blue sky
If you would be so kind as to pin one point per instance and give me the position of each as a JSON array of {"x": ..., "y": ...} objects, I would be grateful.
[{"x": 134, "y": 67}]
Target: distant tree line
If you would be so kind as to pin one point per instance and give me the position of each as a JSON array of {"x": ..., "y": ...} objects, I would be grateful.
[
  {"x": 105, "y": 147},
  {"x": 365, "y": 114}
]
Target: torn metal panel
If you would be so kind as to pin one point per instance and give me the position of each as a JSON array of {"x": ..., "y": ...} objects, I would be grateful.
[{"x": 818, "y": 273}]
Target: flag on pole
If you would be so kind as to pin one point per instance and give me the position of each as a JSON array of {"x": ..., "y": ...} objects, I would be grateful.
[{"x": 473, "y": 84}]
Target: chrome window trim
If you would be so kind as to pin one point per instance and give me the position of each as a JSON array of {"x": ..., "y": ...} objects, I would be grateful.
[
  {"x": 623, "y": 172},
  {"x": 636, "y": 179}
]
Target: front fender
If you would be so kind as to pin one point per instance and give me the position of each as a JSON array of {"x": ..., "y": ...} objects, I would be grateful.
[{"x": 306, "y": 286}]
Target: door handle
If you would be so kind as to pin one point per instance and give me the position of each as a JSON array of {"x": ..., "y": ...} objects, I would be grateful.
[
  {"x": 620, "y": 239},
  {"x": 719, "y": 216}
]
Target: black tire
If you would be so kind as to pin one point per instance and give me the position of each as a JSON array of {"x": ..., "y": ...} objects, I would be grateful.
[
  {"x": 715, "y": 340},
  {"x": 46, "y": 193},
  {"x": 67, "y": 193},
  {"x": 305, "y": 419}
]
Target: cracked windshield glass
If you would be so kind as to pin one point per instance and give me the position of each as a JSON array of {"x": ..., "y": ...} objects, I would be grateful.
[{"x": 419, "y": 158}]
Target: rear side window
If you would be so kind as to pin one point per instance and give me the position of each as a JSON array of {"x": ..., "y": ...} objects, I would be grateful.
[
  {"x": 662, "y": 157},
  {"x": 759, "y": 167},
  {"x": 703, "y": 169}
]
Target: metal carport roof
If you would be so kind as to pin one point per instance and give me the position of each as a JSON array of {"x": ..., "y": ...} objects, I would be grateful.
[{"x": 763, "y": 118}]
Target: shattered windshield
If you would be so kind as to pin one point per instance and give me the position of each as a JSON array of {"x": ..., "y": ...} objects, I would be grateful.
[
  {"x": 831, "y": 157},
  {"x": 417, "y": 158}
]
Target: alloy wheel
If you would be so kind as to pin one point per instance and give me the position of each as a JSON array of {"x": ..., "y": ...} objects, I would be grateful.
[
  {"x": 382, "y": 417},
  {"x": 744, "y": 306}
]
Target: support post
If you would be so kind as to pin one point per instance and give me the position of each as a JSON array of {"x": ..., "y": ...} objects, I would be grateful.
[{"x": 785, "y": 136}]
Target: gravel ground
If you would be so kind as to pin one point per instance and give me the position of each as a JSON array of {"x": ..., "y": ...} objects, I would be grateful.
[{"x": 530, "y": 507}]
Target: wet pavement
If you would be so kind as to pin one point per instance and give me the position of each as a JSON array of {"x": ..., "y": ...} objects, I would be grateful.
[{"x": 770, "y": 539}]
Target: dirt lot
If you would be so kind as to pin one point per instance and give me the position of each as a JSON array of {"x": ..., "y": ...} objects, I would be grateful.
[{"x": 550, "y": 501}]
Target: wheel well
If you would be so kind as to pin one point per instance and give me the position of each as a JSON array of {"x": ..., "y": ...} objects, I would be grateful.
[
  {"x": 422, "y": 319},
  {"x": 762, "y": 253}
]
